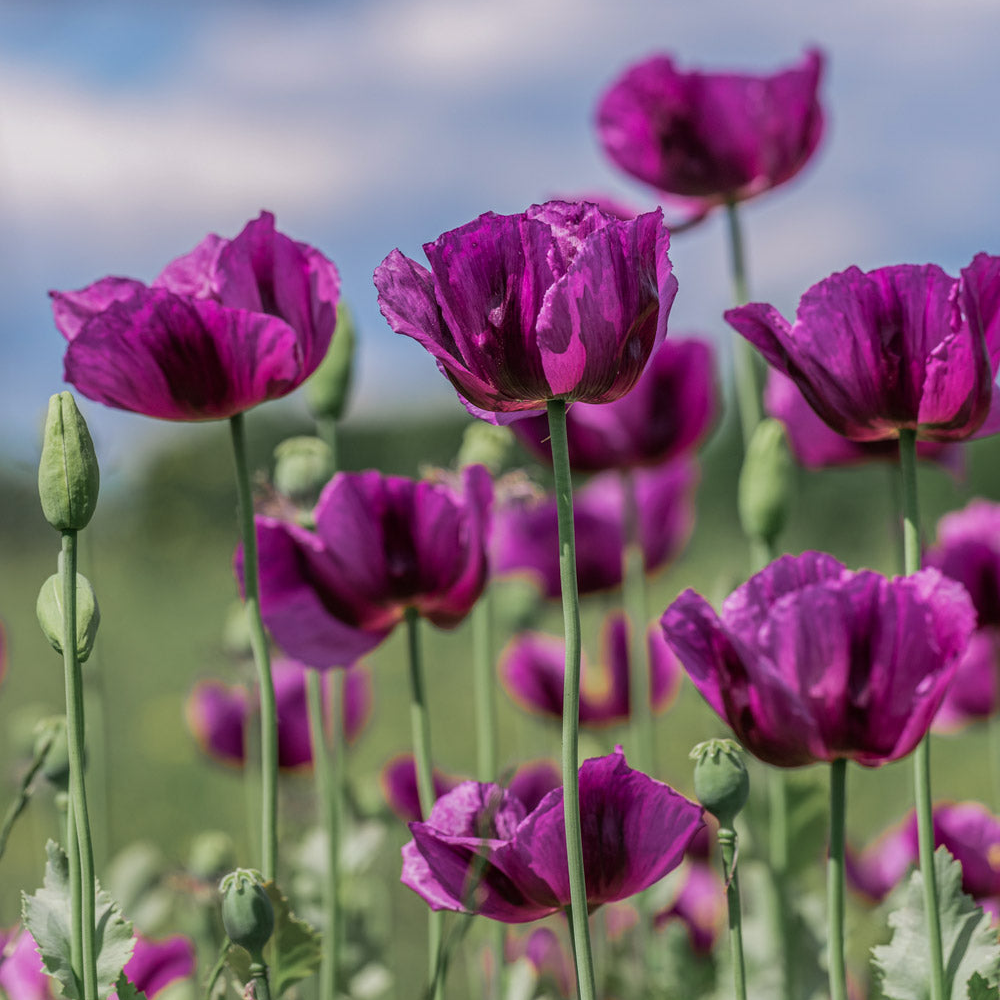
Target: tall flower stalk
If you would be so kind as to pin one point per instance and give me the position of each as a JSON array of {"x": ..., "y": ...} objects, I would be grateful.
[
  {"x": 571, "y": 702},
  {"x": 835, "y": 880}
]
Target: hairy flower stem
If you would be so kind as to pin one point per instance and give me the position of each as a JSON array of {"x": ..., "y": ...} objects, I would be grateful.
[
  {"x": 571, "y": 702},
  {"x": 421, "y": 728},
  {"x": 835, "y": 880},
  {"x": 327, "y": 769},
  {"x": 261, "y": 657},
  {"x": 727, "y": 845},
  {"x": 744, "y": 373},
  {"x": 922, "y": 755},
  {"x": 75, "y": 725}
]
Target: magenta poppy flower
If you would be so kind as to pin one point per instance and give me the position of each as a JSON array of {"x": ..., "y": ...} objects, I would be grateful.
[
  {"x": 563, "y": 301},
  {"x": 969, "y": 832},
  {"x": 399, "y": 786},
  {"x": 547, "y": 955},
  {"x": 22, "y": 974},
  {"x": 817, "y": 446},
  {"x": 668, "y": 413},
  {"x": 219, "y": 714},
  {"x": 223, "y": 328},
  {"x": 898, "y": 347},
  {"x": 709, "y": 138},
  {"x": 810, "y": 661},
  {"x": 974, "y": 694},
  {"x": 700, "y": 904},
  {"x": 525, "y": 536},
  {"x": 532, "y": 667},
  {"x": 382, "y": 544},
  {"x": 635, "y": 830}
]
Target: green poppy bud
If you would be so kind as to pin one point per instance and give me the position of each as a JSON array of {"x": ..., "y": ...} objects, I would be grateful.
[
  {"x": 485, "y": 444},
  {"x": 721, "y": 783},
  {"x": 767, "y": 482},
  {"x": 68, "y": 476},
  {"x": 302, "y": 467},
  {"x": 328, "y": 388},
  {"x": 247, "y": 913},
  {"x": 49, "y": 609}
]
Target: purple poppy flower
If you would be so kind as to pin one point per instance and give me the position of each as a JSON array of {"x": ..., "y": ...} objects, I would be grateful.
[
  {"x": 532, "y": 667},
  {"x": 898, "y": 347},
  {"x": 229, "y": 325},
  {"x": 156, "y": 964},
  {"x": 635, "y": 830},
  {"x": 399, "y": 786},
  {"x": 219, "y": 714},
  {"x": 526, "y": 532},
  {"x": 709, "y": 138},
  {"x": 974, "y": 694},
  {"x": 667, "y": 414},
  {"x": 382, "y": 544},
  {"x": 817, "y": 446},
  {"x": 22, "y": 974},
  {"x": 969, "y": 832},
  {"x": 700, "y": 905},
  {"x": 533, "y": 781},
  {"x": 548, "y": 957},
  {"x": 812, "y": 662},
  {"x": 563, "y": 301}
]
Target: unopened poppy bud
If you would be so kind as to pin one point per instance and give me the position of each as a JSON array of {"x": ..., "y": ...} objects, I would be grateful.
[
  {"x": 721, "y": 783},
  {"x": 328, "y": 388},
  {"x": 485, "y": 444},
  {"x": 302, "y": 467},
  {"x": 247, "y": 913},
  {"x": 68, "y": 476},
  {"x": 49, "y": 609},
  {"x": 766, "y": 482}
]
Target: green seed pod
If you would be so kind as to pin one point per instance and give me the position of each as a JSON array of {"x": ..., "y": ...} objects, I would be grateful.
[
  {"x": 767, "y": 482},
  {"x": 721, "y": 782},
  {"x": 49, "y": 609},
  {"x": 68, "y": 476},
  {"x": 302, "y": 467},
  {"x": 485, "y": 444},
  {"x": 328, "y": 388},
  {"x": 247, "y": 913}
]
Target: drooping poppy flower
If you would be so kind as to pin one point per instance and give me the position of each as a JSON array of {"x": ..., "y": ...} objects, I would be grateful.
[
  {"x": 810, "y": 661},
  {"x": 533, "y": 664},
  {"x": 897, "y": 347},
  {"x": 563, "y": 301},
  {"x": 382, "y": 544},
  {"x": 666, "y": 415},
  {"x": 709, "y": 138},
  {"x": 482, "y": 852},
  {"x": 817, "y": 446},
  {"x": 223, "y": 328},
  {"x": 219, "y": 714},
  {"x": 526, "y": 530},
  {"x": 967, "y": 829}
]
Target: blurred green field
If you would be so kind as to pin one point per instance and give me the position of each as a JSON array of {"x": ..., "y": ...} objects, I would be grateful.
[{"x": 159, "y": 555}]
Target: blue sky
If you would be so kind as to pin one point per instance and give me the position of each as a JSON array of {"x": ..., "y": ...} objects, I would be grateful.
[{"x": 128, "y": 131}]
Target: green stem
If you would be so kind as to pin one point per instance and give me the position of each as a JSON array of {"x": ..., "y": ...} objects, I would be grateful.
[
  {"x": 571, "y": 702},
  {"x": 75, "y": 897},
  {"x": 24, "y": 792},
  {"x": 76, "y": 729},
  {"x": 835, "y": 880},
  {"x": 326, "y": 428},
  {"x": 327, "y": 797},
  {"x": 484, "y": 685},
  {"x": 727, "y": 845},
  {"x": 922, "y": 755},
  {"x": 744, "y": 360},
  {"x": 261, "y": 656},
  {"x": 777, "y": 792},
  {"x": 258, "y": 976},
  {"x": 421, "y": 727}
]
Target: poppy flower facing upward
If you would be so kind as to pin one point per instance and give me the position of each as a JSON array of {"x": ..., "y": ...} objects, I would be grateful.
[
  {"x": 223, "y": 328},
  {"x": 563, "y": 301},
  {"x": 810, "y": 661}
]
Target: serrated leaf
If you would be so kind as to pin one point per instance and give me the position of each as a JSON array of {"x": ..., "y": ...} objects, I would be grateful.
[
  {"x": 126, "y": 991},
  {"x": 980, "y": 989},
  {"x": 46, "y": 914},
  {"x": 969, "y": 943}
]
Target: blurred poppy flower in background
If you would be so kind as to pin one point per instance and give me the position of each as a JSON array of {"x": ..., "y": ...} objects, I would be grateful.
[
  {"x": 810, "y": 661},
  {"x": 223, "y": 328},
  {"x": 563, "y": 301}
]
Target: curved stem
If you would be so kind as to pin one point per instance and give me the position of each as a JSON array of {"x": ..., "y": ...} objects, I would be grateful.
[
  {"x": 571, "y": 702},
  {"x": 421, "y": 728},
  {"x": 835, "y": 880},
  {"x": 261, "y": 656},
  {"x": 76, "y": 729},
  {"x": 922, "y": 755},
  {"x": 727, "y": 845}
]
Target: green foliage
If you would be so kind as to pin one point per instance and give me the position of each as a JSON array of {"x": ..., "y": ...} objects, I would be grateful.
[
  {"x": 126, "y": 991},
  {"x": 971, "y": 951},
  {"x": 46, "y": 914}
]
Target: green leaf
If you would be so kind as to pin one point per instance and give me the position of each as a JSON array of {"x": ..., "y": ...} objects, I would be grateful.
[
  {"x": 46, "y": 914},
  {"x": 126, "y": 991},
  {"x": 971, "y": 950}
]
